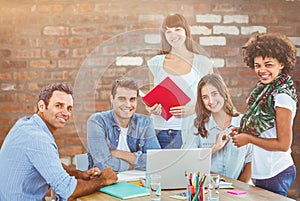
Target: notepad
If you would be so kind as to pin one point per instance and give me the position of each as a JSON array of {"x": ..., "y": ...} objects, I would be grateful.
[
  {"x": 125, "y": 190},
  {"x": 168, "y": 94}
]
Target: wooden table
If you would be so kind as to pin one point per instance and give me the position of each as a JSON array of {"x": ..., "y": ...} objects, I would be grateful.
[{"x": 253, "y": 194}]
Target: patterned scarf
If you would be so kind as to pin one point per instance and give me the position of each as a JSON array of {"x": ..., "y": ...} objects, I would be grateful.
[{"x": 261, "y": 112}]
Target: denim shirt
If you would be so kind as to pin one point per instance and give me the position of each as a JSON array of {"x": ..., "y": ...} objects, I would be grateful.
[
  {"x": 103, "y": 135},
  {"x": 230, "y": 160},
  {"x": 30, "y": 163}
]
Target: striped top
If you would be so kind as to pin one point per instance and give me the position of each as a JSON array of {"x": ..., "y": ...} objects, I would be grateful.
[{"x": 29, "y": 163}]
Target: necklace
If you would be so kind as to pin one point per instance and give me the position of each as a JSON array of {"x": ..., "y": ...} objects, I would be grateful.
[{"x": 226, "y": 121}]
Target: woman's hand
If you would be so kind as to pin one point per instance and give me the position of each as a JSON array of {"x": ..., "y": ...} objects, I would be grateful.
[
  {"x": 222, "y": 139},
  {"x": 241, "y": 139},
  {"x": 155, "y": 109},
  {"x": 182, "y": 111}
]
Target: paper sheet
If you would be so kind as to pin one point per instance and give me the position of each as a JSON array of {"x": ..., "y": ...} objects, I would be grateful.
[{"x": 131, "y": 175}]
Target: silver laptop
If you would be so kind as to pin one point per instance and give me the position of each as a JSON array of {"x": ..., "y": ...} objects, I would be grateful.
[{"x": 172, "y": 164}]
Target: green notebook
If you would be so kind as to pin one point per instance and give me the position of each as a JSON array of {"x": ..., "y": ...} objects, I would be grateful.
[{"x": 125, "y": 190}]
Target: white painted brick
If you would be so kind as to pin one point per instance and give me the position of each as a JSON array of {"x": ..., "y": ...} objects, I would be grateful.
[
  {"x": 152, "y": 38},
  {"x": 298, "y": 52},
  {"x": 208, "y": 18},
  {"x": 8, "y": 87},
  {"x": 218, "y": 62},
  {"x": 66, "y": 160},
  {"x": 129, "y": 61},
  {"x": 235, "y": 19},
  {"x": 252, "y": 29},
  {"x": 200, "y": 30},
  {"x": 212, "y": 40},
  {"x": 230, "y": 30},
  {"x": 154, "y": 18},
  {"x": 295, "y": 40}
]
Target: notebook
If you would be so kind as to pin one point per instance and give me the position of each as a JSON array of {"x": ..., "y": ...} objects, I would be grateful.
[
  {"x": 125, "y": 190},
  {"x": 171, "y": 164},
  {"x": 168, "y": 94}
]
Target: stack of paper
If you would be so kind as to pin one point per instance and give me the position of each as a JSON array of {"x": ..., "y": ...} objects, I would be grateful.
[
  {"x": 131, "y": 175},
  {"x": 225, "y": 185}
]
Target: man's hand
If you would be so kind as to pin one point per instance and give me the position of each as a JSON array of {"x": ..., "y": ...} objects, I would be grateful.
[
  {"x": 85, "y": 187},
  {"x": 91, "y": 173},
  {"x": 108, "y": 176},
  {"x": 124, "y": 155}
]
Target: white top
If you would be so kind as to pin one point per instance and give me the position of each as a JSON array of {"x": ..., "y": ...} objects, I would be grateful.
[
  {"x": 122, "y": 145},
  {"x": 267, "y": 164},
  {"x": 188, "y": 83},
  {"x": 174, "y": 122}
]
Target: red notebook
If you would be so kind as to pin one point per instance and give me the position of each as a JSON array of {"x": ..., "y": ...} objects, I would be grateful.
[{"x": 168, "y": 94}]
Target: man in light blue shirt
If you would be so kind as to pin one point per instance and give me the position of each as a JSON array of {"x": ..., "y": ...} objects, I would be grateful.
[
  {"x": 29, "y": 160},
  {"x": 119, "y": 138}
]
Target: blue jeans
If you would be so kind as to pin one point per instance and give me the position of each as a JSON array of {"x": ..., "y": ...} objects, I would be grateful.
[
  {"x": 169, "y": 139},
  {"x": 280, "y": 183}
]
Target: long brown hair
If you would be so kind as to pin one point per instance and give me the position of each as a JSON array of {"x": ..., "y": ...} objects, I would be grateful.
[
  {"x": 177, "y": 20},
  {"x": 202, "y": 113}
]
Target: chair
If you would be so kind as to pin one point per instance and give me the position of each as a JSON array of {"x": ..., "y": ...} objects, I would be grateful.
[{"x": 82, "y": 162}]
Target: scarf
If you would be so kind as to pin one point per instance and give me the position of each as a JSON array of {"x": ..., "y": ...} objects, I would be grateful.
[{"x": 260, "y": 115}]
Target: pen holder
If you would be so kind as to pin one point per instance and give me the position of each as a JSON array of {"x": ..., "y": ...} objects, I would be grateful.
[
  {"x": 190, "y": 192},
  {"x": 195, "y": 194},
  {"x": 201, "y": 195}
]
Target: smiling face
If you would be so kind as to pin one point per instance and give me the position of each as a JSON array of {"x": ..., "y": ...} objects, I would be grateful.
[
  {"x": 175, "y": 36},
  {"x": 124, "y": 105},
  {"x": 212, "y": 99},
  {"x": 267, "y": 69},
  {"x": 58, "y": 111}
]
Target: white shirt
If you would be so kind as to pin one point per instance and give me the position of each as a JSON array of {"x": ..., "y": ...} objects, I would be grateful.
[
  {"x": 267, "y": 164},
  {"x": 122, "y": 145}
]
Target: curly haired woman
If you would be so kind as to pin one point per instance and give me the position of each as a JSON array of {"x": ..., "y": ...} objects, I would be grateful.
[{"x": 268, "y": 122}]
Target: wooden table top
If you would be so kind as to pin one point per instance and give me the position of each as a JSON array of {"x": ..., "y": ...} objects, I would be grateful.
[{"x": 253, "y": 194}]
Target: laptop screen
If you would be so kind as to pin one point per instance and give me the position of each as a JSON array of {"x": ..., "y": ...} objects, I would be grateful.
[{"x": 172, "y": 164}]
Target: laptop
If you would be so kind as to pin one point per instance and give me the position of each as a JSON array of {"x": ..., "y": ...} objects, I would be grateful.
[{"x": 172, "y": 164}]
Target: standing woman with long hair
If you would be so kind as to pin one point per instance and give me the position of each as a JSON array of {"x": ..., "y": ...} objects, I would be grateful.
[{"x": 180, "y": 60}]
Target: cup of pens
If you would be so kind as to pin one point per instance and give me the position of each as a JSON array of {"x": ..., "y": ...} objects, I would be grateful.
[{"x": 195, "y": 186}]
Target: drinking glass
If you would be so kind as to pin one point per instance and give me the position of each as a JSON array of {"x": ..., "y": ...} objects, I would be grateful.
[
  {"x": 155, "y": 187},
  {"x": 213, "y": 187}
]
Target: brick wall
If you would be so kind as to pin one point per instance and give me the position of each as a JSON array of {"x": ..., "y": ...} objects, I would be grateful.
[{"x": 90, "y": 43}]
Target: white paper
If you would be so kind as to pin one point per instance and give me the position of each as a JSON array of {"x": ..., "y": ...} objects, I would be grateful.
[{"x": 131, "y": 175}]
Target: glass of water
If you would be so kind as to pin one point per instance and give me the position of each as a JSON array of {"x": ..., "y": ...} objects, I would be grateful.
[
  {"x": 155, "y": 187},
  {"x": 213, "y": 187}
]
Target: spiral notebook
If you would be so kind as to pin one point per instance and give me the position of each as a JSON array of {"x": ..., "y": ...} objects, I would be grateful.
[
  {"x": 168, "y": 94},
  {"x": 125, "y": 190}
]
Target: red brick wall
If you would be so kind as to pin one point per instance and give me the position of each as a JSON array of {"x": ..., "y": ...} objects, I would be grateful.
[{"x": 79, "y": 41}]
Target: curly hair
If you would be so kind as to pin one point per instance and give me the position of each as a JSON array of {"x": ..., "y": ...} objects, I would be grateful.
[
  {"x": 270, "y": 45},
  {"x": 202, "y": 114}
]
